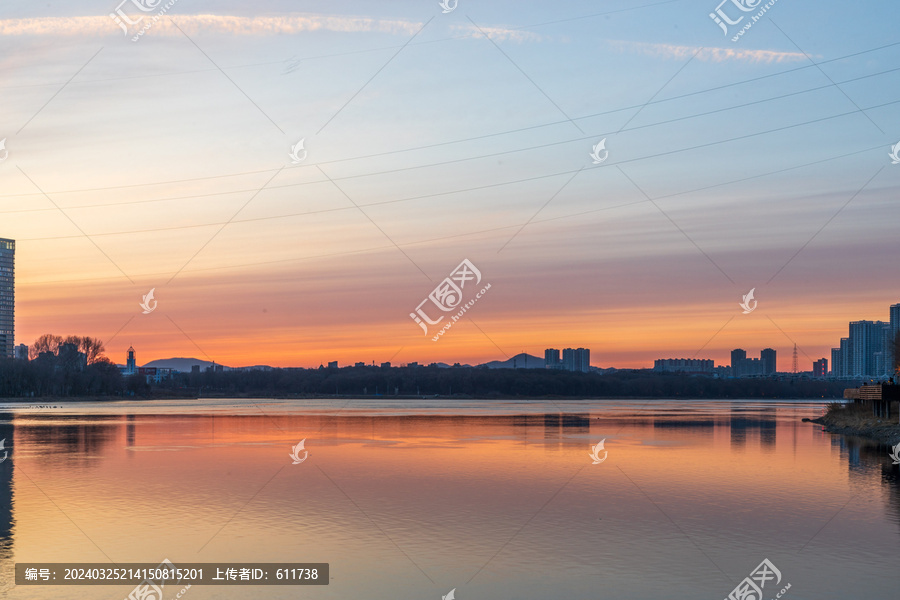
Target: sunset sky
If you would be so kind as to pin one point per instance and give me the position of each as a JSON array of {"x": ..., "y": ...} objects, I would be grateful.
[{"x": 163, "y": 163}]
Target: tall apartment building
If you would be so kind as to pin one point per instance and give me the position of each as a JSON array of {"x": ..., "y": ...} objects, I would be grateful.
[
  {"x": 768, "y": 359},
  {"x": 820, "y": 367},
  {"x": 551, "y": 359},
  {"x": 573, "y": 359},
  {"x": 741, "y": 366},
  {"x": 7, "y": 297}
]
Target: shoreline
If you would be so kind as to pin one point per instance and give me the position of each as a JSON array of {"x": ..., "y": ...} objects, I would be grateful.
[{"x": 856, "y": 420}]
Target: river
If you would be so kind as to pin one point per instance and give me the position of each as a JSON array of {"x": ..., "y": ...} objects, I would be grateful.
[{"x": 496, "y": 500}]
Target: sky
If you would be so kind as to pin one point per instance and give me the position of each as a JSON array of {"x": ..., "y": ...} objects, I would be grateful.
[{"x": 163, "y": 161}]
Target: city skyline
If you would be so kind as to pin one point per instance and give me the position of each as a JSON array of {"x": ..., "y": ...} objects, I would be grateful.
[{"x": 174, "y": 163}]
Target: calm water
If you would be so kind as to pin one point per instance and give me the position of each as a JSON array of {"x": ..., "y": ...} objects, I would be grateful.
[{"x": 498, "y": 500}]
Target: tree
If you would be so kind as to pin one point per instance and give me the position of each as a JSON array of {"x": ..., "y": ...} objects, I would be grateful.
[
  {"x": 46, "y": 343},
  {"x": 91, "y": 347}
]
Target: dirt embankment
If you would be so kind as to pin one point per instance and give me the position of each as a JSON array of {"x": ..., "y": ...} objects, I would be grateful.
[{"x": 857, "y": 419}]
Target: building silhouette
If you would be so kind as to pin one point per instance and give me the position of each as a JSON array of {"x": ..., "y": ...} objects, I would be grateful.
[
  {"x": 684, "y": 365},
  {"x": 764, "y": 366},
  {"x": 551, "y": 359},
  {"x": 7, "y": 297},
  {"x": 820, "y": 367},
  {"x": 573, "y": 359},
  {"x": 868, "y": 350}
]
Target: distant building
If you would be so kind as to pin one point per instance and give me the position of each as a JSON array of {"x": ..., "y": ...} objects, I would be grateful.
[
  {"x": 195, "y": 369},
  {"x": 820, "y": 367},
  {"x": 22, "y": 352},
  {"x": 130, "y": 363},
  {"x": 835, "y": 360},
  {"x": 70, "y": 358},
  {"x": 360, "y": 364},
  {"x": 684, "y": 365},
  {"x": 551, "y": 359},
  {"x": 412, "y": 364},
  {"x": 764, "y": 366},
  {"x": 154, "y": 374},
  {"x": 738, "y": 355},
  {"x": 576, "y": 359},
  {"x": 333, "y": 364},
  {"x": 7, "y": 297},
  {"x": 866, "y": 338},
  {"x": 769, "y": 363},
  {"x": 385, "y": 365}
]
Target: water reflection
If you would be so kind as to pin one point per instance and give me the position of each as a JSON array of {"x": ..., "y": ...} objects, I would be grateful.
[{"x": 395, "y": 500}]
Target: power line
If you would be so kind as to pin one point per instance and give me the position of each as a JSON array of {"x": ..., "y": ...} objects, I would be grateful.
[
  {"x": 501, "y": 133},
  {"x": 430, "y": 165},
  {"x": 482, "y": 187}
]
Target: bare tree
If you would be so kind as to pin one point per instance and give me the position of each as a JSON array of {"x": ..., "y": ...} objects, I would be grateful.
[
  {"x": 46, "y": 343},
  {"x": 91, "y": 347}
]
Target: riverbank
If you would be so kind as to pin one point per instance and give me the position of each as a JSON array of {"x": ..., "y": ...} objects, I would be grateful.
[{"x": 857, "y": 419}]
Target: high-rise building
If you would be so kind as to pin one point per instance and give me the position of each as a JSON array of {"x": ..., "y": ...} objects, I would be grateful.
[
  {"x": 741, "y": 366},
  {"x": 769, "y": 364},
  {"x": 7, "y": 297},
  {"x": 866, "y": 338},
  {"x": 575, "y": 359},
  {"x": 846, "y": 359},
  {"x": 551, "y": 359},
  {"x": 738, "y": 356},
  {"x": 835, "y": 361},
  {"x": 820, "y": 367}
]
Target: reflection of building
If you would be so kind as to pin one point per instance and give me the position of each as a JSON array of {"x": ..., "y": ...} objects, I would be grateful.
[
  {"x": 7, "y": 297},
  {"x": 684, "y": 365},
  {"x": 6, "y": 489}
]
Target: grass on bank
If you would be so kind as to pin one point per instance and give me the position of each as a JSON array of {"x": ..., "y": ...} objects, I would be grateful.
[{"x": 858, "y": 416}]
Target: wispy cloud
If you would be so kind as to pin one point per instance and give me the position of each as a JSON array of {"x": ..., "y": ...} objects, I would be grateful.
[
  {"x": 498, "y": 34},
  {"x": 234, "y": 25},
  {"x": 706, "y": 53}
]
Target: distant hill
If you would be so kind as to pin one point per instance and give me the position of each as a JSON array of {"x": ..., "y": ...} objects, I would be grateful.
[
  {"x": 519, "y": 361},
  {"x": 179, "y": 364}
]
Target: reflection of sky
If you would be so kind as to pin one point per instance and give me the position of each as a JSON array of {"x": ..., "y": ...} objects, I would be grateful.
[
  {"x": 151, "y": 149},
  {"x": 450, "y": 490}
]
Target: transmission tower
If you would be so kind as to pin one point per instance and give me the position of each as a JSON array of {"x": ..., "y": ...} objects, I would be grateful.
[{"x": 794, "y": 361}]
